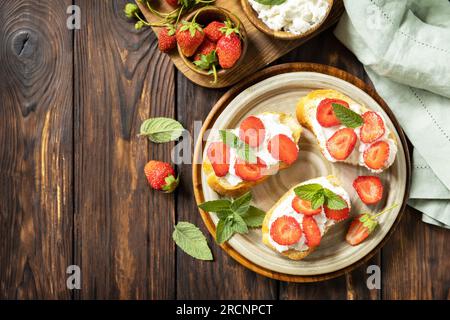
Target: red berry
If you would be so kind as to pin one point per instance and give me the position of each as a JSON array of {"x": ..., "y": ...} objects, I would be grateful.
[
  {"x": 304, "y": 207},
  {"x": 312, "y": 231},
  {"x": 249, "y": 171},
  {"x": 369, "y": 189},
  {"x": 325, "y": 113},
  {"x": 337, "y": 215},
  {"x": 173, "y": 3},
  {"x": 161, "y": 176},
  {"x": 229, "y": 50},
  {"x": 373, "y": 127},
  {"x": 286, "y": 231},
  {"x": 377, "y": 155},
  {"x": 167, "y": 40},
  {"x": 282, "y": 148},
  {"x": 252, "y": 131},
  {"x": 357, "y": 232},
  {"x": 205, "y": 48},
  {"x": 219, "y": 156},
  {"x": 342, "y": 143},
  {"x": 190, "y": 36},
  {"x": 213, "y": 32}
]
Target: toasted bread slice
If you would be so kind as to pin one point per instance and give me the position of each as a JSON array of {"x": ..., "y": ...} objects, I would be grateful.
[
  {"x": 306, "y": 115},
  {"x": 292, "y": 253},
  {"x": 221, "y": 185}
]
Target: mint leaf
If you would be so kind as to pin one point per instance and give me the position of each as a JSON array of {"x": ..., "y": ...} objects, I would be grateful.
[
  {"x": 229, "y": 138},
  {"x": 307, "y": 191},
  {"x": 271, "y": 2},
  {"x": 239, "y": 224},
  {"x": 223, "y": 214},
  {"x": 334, "y": 202},
  {"x": 254, "y": 217},
  {"x": 224, "y": 230},
  {"x": 207, "y": 60},
  {"x": 318, "y": 200},
  {"x": 161, "y": 130},
  {"x": 348, "y": 117},
  {"x": 216, "y": 205},
  {"x": 192, "y": 241},
  {"x": 243, "y": 150},
  {"x": 242, "y": 204}
]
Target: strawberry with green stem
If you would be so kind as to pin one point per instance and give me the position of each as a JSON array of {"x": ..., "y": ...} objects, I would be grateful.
[
  {"x": 161, "y": 176},
  {"x": 190, "y": 36},
  {"x": 229, "y": 47},
  {"x": 167, "y": 40},
  {"x": 363, "y": 226}
]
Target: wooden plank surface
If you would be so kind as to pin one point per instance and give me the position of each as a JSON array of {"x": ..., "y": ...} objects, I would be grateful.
[
  {"x": 223, "y": 278},
  {"x": 123, "y": 230},
  {"x": 262, "y": 50},
  {"x": 35, "y": 150},
  {"x": 69, "y": 147}
]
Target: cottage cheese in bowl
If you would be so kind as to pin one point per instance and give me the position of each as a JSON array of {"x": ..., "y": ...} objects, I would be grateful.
[{"x": 294, "y": 16}]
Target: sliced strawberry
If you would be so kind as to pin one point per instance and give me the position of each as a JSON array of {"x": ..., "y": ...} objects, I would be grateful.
[
  {"x": 284, "y": 149},
  {"x": 325, "y": 114},
  {"x": 286, "y": 231},
  {"x": 337, "y": 215},
  {"x": 357, "y": 232},
  {"x": 252, "y": 131},
  {"x": 250, "y": 171},
  {"x": 377, "y": 155},
  {"x": 342, "y": 143},
  {"x": 373, "y": 127},
  {"x": 312, "y": 231},
  {"x": 369, "y": 188},
  {"x": 219, "y": 156},
  {"x": 304, "y": 207}
]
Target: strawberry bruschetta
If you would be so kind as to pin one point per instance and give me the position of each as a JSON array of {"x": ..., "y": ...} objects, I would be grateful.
[
  {"x": 241, "y": 158},
  {"x": 295, "y": 225},
  {"x": 348, "y": 131}
]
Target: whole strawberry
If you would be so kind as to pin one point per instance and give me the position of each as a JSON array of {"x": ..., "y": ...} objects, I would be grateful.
[
  {"x": 229, "y": 50},
  {"x": 161, "y": 176},
  {"x": 167, "y": 40},
  {"x": 362, "y": 226},
  {"x": 190, "y": 36},
  {"x": 213, "y": 31},
  {"x": 205, "y": 48},
  {"x": 173, "y": 3}
]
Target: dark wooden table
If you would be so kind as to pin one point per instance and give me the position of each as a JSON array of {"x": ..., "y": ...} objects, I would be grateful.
[{"x": 72, "y": 189}]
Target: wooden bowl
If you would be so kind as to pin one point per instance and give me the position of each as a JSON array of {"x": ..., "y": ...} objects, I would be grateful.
[
  {"x": 205, "y": 16},
  {"x": 252, "y": 15}
]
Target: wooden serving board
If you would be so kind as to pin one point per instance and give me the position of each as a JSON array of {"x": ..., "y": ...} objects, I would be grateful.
[
  {"x": 278, "y": 89},
  {"x": 262, "y": 49}
]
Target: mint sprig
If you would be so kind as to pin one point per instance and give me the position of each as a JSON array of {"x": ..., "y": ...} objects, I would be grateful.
[
  {"x": 348, "y": 117},
  {"x": 235, "y": 216},
  {"x": 320, "y": 196},
  {"x": 243, "y": 150}
]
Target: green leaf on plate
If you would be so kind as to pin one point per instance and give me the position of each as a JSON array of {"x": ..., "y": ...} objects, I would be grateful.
[
  {"x": 241, "y": 204},
  {"x": 215, "y": 205},
  {"x": 334, "y": 201},
  {"x": 254, "y": 217},
  {"x": 348, "y": 117},
  {"x": 307, "y": 191},
  {"x": 271, "y": 2}
]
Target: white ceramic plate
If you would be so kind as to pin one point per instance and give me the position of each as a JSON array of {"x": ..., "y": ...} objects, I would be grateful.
[{"x": 281, "y": 93}]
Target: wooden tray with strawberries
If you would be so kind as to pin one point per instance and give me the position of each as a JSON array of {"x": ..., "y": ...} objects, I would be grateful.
[{"x": 262, "y": 49}]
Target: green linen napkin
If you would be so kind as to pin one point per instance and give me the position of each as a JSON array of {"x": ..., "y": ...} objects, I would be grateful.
[{"x": 405, "y": 48}]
